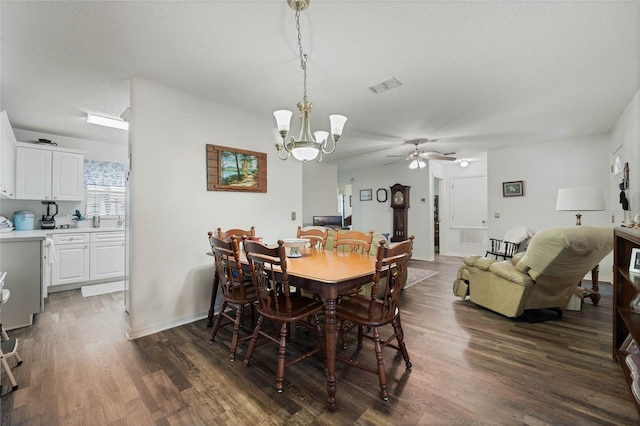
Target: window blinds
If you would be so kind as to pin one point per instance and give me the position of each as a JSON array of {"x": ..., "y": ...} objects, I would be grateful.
[
  {"x": 105, "y": 200},
  {"x": 105, "y": 186}
]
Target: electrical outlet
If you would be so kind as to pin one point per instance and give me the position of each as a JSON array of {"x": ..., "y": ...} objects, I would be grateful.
[{"x": 293, "y": 215}]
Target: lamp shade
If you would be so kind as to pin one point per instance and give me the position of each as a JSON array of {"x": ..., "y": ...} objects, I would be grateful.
[
  {"x": 304, "y": 153},
  {"x": 580, "y": 199}
]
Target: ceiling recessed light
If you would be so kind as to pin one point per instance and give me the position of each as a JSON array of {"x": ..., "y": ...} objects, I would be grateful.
[
  {"x": 101, "y": 120},
  {"x": 464, "y": 163}
]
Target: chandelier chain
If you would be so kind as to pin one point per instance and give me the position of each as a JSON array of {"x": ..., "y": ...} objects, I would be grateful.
[{"x": 303, "y": 57}]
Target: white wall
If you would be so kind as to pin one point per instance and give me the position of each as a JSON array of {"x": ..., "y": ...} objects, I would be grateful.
[
  {"x": 171, "y": 209},
  {"x": 545, "y": 168},
  {"x": 320, "y": 190},
  {"x": 378, "y": 216},
  {"x": 626, "y": 136}
]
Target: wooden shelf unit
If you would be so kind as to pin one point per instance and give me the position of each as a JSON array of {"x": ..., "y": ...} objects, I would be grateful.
[{"x": 625, "y": 288}]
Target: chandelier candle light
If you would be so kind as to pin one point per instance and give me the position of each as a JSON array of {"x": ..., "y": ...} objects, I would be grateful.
[{"x": 307, "y": 147}]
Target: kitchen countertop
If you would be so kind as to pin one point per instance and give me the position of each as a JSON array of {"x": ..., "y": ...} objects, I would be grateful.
[{"x": 41, "y": 234}]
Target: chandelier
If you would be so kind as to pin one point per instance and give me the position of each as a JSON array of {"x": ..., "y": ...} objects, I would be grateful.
[{"x": 307, "y": 147}]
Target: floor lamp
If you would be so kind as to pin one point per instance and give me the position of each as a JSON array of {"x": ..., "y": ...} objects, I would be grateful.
[{"x": 581, "y": 199}]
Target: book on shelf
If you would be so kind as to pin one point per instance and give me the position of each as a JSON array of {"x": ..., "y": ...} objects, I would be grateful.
[{"x": 629, "y": 345}]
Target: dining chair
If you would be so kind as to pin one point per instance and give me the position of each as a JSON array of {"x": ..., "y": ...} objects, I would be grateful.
[
  {"x": 225, "y": 235},
  {"x": 236, "y": 291},
  {"x": 277, "y": 303},
  {"x": 239, "y": 233},
  {"x": 379, "y": 309},
  {"x": 353, "y": 241},
  {"x": 317, "y": 237}
]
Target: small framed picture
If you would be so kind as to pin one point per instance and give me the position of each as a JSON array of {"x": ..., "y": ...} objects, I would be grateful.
[
  {"x": 366, "y": 195},
  {"x": 381, "y": 195},
  {"x": 513, "y": 189},
  {"x": 634, "y": 263}
]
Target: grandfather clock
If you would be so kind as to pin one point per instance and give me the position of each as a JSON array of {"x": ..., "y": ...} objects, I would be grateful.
[{"x": 400, "y": 205}]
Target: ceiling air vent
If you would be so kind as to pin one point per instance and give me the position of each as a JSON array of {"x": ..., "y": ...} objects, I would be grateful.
[{"x": 385, "y": 85}]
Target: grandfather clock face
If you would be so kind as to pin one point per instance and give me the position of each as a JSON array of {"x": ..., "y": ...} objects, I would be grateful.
[
  {"x": 398, "y": 198},
  {"x": 400, "y": 205}
]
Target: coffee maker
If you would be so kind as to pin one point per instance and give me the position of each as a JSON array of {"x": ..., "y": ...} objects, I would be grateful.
[{"x": 48, "y": 215}]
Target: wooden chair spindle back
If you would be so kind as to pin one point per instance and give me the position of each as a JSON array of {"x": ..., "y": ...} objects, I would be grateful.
[{"x": 269, "y": 272}]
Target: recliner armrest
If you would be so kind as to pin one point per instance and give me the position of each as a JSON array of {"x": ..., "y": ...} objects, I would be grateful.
[{"x": 507, "y": 271}]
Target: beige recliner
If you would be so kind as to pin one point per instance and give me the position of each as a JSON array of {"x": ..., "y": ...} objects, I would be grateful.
[{"x": 543, "y": 277}]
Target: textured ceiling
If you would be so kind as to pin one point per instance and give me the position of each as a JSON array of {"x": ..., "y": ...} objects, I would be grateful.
[{"x": 476, "y": 75}]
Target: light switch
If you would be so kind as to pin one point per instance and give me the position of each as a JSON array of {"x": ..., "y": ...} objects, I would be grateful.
[
  {"x": 293, "y": 215},
  {"x": 496, "y": 214}
]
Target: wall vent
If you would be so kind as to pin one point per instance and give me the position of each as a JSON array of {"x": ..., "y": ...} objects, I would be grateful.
[
  {"x": 471, "y": 236},
  {"x": 385, "y": 85}
]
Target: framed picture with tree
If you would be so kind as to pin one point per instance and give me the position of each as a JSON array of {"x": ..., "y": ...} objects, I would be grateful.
[{"x": 232, "y": 169}]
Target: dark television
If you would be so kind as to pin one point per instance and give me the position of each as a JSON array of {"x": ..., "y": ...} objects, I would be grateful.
[{"x": 329, "y": 221}]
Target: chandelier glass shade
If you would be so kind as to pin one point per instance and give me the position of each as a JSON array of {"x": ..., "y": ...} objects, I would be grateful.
[
  {"x": 308, "y": 146},
  {"x": 417, "y": 163}
]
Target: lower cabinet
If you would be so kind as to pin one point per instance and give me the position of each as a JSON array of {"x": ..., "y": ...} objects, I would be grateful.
[
  {"x": 87, "y": 256},
  {"x": 72, "y": 254},
  {"x": 107, "y": 257}
]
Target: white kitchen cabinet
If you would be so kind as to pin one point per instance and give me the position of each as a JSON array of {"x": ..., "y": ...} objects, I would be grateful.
[
  {"x": 107, "y": 255},
  {"x": 73, "y": 254},
  {"x": 45, "y": 173},
  {"x": 7, "y": 158}
]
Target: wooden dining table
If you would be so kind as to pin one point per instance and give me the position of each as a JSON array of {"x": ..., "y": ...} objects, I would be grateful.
[{"x": 328, "y": 274}]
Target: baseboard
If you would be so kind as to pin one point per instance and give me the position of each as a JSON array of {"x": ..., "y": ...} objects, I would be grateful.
[
  {"x": 74, "y": 286},
  {"x": 145, "y": 331}
]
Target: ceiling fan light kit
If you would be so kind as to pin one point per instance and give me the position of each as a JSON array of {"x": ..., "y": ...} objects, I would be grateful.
[
  {"x": 418, "y": 156},
  {"x": 307, "y": 147}
]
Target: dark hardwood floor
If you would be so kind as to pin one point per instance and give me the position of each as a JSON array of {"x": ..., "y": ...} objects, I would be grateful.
[{"x": 470, "y": 366}]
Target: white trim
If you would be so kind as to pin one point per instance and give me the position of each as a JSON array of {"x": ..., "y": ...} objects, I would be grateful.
[{"x": 136, "y": 334}]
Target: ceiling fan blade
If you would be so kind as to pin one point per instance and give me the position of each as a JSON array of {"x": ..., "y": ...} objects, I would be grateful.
[
  {"x": 398, "y": 156},
  {"x": 396, "y": 161},
  {"x": 439, "y": 157}
]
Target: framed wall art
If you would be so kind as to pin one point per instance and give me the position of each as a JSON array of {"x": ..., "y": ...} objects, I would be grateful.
[
  {"x": 513, "y": 189},
  {"x": 232, "y": 169},
  {"x": 366, "y": 195},
  {"x": 381, "y": 195},
  {"x": 634, "y": 263}
]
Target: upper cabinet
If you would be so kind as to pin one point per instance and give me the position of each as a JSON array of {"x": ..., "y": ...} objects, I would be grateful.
[
  {"x": 46, "y": 173},
  {"x": 7, "y": 158}
]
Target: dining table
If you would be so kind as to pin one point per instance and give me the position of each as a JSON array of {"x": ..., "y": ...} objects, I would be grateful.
[{"x": 327, "y": 273}]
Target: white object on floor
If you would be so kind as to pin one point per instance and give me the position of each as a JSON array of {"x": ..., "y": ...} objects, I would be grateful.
[
  {"x": 97, "y": 289},
  {"x": 575, "y": 303}
]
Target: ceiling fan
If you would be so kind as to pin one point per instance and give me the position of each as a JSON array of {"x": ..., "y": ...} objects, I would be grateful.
[{"x": 418, "y": 156}]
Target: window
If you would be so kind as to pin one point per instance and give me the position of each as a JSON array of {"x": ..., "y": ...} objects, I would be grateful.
[
  {"x": 105, "y": 200},
  {"x": 106, "y": 191}
]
